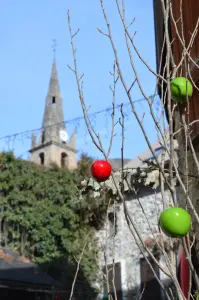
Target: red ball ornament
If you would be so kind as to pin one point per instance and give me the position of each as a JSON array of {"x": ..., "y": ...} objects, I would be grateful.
[{"x": 101, "y": 170}]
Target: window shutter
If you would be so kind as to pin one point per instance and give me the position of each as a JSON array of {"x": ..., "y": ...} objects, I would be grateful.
[
  {"x": 116, "y": 274},
  {"x": 149, "y": 285}
]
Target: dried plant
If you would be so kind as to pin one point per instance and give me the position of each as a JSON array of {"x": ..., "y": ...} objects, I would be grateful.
[{"x": 176, "y": 170}]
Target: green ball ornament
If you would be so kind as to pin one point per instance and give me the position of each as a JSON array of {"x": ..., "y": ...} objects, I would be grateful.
[
  {"x": 175, "y": 222},
  {"x": 105, "y": 296},
  {"x": 181, "y": 88}
]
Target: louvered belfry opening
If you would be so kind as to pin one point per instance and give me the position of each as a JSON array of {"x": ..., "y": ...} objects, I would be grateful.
[
  {"x": 42, "y": 158},
  {"x": 64, "y": 160}
]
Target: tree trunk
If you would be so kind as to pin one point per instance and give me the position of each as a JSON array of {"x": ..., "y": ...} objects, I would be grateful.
[
  {"x": 23, "y": 240},
  {"x": 5, "y": 232}
]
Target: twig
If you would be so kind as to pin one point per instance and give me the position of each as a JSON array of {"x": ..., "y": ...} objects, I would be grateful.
[
  {"x": 115, "y": 80},
  {"x": 77, "y": 270}
]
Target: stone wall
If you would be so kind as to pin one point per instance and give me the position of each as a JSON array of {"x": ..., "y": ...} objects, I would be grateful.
[
  {"x": 52, "y": 154},
  {"x": 123, "y": 245}
]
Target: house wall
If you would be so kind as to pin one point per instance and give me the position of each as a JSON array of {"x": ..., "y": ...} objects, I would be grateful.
[
  {"x": 193, "y": 189},
  {"x": 190, "y": 16},
  {"x": 125, "y": 248}
]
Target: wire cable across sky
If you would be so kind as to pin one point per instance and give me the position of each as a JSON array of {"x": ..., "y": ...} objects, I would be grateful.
[{"x": 74, "y": 119}]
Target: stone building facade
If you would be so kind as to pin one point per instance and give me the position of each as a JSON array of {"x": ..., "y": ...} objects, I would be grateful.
[
  {"x": 117, "y": 242},
  {"x": 131, "y": 269},
  {"x": 53, "y": 145}
]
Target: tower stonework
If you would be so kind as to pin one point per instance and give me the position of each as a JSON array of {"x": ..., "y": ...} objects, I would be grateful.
[{"x": 53, "y": 145}]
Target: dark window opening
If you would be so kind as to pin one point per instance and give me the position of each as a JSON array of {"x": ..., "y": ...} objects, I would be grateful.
[
  {"x": 64, "y": 160},
  {"x": 42, "y": 158},
  {"x": 53, "y": 100},
  {"x": 195, "y": 263},
  {"x": 149, "y": 285},
  {"x": 114, "y": 275},
  {"x": 43, "y": 137},
  {"x": 196, "y": 267}
]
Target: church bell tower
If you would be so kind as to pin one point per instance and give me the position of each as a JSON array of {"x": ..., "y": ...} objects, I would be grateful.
[{"x": 53, "y": 145}]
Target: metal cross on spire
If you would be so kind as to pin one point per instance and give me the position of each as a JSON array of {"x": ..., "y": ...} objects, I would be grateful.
[{"x": 54, "y": 46}]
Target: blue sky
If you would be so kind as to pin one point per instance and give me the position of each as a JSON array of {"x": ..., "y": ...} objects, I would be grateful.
[{"x": 27, "y": 29}]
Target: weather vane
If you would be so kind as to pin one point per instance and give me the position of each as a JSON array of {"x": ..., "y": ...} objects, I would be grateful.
[{"x": 54, "y": 46}]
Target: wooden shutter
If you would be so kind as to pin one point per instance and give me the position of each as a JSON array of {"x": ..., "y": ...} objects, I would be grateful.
[
  {"x": 190, "y": 9},
  {"x": 117, "y": 280},
  {"x": 190, "y": 15},
  {"x": 149, "y": 284}
]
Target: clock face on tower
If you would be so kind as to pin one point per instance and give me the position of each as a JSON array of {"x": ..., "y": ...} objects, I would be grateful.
[{"x": 63, "y": 135}]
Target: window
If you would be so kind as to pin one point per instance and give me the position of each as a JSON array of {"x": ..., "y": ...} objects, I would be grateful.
[
  {"x": 53, "y": 100},
  {"x": 42, "y": 158},
  {"x": 43, "y": 137},
  {"x": 64, "y": 160},
  {"x": 149, "y": 285},
  {"x": 117, "y": 280}
]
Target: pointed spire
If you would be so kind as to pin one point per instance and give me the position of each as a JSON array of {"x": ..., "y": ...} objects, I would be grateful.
[
  {"x": 72, "y": 142},
  {"x": 33, "y": 139},
  {"x": 52, "y": 145},
  {"x": 53, "y": 89},
  {"x": 53, "y": 114},
  {"x": 54, "y": 83},
  {"x": 54, "y": 70}
]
